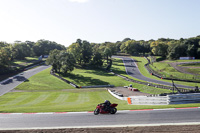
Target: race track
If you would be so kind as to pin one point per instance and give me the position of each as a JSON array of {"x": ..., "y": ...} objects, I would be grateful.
[
  {"x": 9, "y": 84},
  {"x": 81, "y": 119},
  {"x": 132, "y": 70}
]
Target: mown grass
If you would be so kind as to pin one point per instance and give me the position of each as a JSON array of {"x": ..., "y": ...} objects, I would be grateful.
[
  {"x": 190, "y": 65},
  {"x": 82, "y": 77},
  {"x": 24, "y": 62},
  {"x": 141, "y": 61},
  {"x": 166, "y": 70},
  {"x": 193, "y": 70},
  {"x": 45, "y": 93},
  {"x": 67, "y": 101},
  {"x": 44, "y": 81}
]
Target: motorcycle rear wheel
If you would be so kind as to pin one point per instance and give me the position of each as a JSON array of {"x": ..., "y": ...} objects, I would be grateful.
[
  {"x": 113, "y": 111},
  {"x": 96, "y": 111}
]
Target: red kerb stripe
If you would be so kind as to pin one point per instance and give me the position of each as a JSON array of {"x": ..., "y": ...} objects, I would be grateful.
[
  {"x": 60, "y": 112},
  {"x": 187, "y": 108},
  {"x": 141, "y": 110}
]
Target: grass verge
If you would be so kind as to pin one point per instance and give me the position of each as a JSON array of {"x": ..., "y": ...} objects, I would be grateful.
[
  {"x": 142, "y": 61},
  {"x": 67, "y": 101},
  {"x": 44, "y": 81}
]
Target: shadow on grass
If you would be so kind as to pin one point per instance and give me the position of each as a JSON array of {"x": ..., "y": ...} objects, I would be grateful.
[
  {"x": 99, "y": 72},
  {"x": 81, "y": 80},
  {"x": 160, "y": 59},
  {"x": 118, "y": 71}
]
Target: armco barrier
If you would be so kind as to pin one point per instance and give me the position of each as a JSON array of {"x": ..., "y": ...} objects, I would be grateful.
[
  {"x": 165, "y": 100},
  {"x": 145, "y": 100},
  {"x": 97, "y": 86},
  {"x": 184, "y": 98},
  {"x": 117, "y": 96}
]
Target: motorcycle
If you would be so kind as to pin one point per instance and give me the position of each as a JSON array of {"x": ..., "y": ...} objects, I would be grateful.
[{"x": 101, "y": 109}]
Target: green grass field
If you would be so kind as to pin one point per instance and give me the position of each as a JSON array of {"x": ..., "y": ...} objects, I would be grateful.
[
  {"x": 45, "y": 93},
  {"x": 24, "y": 62},
  {"x": 44, "y": 81},
  {"x": 66, "y": 101},
  {"x": 190, "y": 65},
  {"x": 166, "y": 70},
  {"x": 141, "y": 61}
]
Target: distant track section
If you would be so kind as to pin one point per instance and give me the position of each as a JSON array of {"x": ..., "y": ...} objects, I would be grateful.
[
  {"x": 10, "y": 83},
  {"x": 132, "y": 70}
]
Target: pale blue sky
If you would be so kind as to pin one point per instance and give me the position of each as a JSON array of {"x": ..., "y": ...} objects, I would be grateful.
[{"x": 64, "y": 21}]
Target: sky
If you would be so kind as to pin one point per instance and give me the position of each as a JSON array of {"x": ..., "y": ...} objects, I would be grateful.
[{"x": 98, "y": 21}]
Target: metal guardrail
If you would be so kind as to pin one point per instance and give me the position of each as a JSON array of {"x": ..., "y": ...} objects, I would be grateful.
[
  {"x": 97, "y": 86},
  {"x": 117, "y": 95},
  {"x": 165, "y": 100}
]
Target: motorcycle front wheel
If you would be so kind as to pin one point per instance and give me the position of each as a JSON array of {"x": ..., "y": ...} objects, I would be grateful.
[{"x": 96, "y": 111}]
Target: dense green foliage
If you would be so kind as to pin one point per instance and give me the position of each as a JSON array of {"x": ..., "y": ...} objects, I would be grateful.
[
  {"x": 20, "y": 50},
  {"x": 61, "y": 61},
  {"x": 91, "y": 54},
  {"x": 168, "y": 48},
  {"x": 94, "y": 54}
]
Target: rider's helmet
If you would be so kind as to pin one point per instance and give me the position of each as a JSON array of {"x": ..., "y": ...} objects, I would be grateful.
[{"x": 106, "y": 101}]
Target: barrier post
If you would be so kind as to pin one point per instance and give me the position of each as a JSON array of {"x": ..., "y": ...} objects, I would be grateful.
[{"x": 129, "y": 100}]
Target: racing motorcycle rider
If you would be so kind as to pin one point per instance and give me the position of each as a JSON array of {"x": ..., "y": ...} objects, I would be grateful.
[{"x": 106, "y": 105}]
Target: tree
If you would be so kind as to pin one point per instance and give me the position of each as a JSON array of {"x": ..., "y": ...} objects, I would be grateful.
[
  {"x": 97, "y": 60},
  {"x": 67, "y": 62},
  {"x": 131, "y": 47},
  {"x": 107, "y": 53},
  {"x": 43, "y": 47},
  {"x": 86, "y": 52},
  {"x": 82, "y": 51},
  {"x": 61, "y": 61},
  {"x": 22, "y": 50},
  {"x": 159, "y": 48},
  {"x": 53, "y": 59}
]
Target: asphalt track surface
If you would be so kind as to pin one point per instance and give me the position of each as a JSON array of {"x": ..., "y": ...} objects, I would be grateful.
[
  {"x": 132, "y": 70},
  {"x": 81, "y": 119},
  {"x": 10, "y": 83}
]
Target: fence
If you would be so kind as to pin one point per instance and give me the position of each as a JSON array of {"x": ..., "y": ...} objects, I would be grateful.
[{"x": 165, "y": 100}]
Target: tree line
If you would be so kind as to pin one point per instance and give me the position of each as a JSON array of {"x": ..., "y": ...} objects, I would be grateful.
[
  {"x": 83, "y": 53},
  {"x": 19, "y": 50},
  {"x": 165, "y": 47}
]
